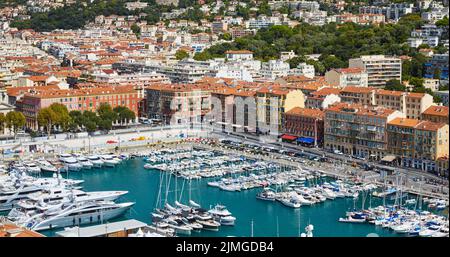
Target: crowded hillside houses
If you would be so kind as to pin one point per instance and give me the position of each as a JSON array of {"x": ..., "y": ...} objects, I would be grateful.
[{"x": 152, "y": 69}]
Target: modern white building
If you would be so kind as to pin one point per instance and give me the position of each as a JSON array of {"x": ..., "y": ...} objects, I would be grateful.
[
  {"x": 239, "y": 55},
  {"x": 356, "y": 77},
  {"x": 234, "y": 72},
  {"x": 303, "y": 69},
  {"x": 274, "y": 69},
  {"x": 379, "y": 68}
]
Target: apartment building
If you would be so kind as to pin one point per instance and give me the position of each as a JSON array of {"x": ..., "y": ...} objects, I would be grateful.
[
  {"x": 411, "y": 104},
  {"x": 357, "y": 129},
  {"x": 431, "y": 143},
  {"x": 345, "y": 77},
  {"x": 272, "y": 102},
  {"x": 379, "y": 68},
  {"x": 178, "y": 103},
  {"x": 274, "y": 69},
  {"x": 436, "y": 114},
  {"x": 87, "y": 99},
  {"x": 306, "y": 124}
]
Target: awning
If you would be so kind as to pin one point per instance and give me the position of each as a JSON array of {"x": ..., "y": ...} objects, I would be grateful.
[
  {"x": 288, "y": 137},
  {"x": 388, "y": 158},
  {"x": 305, "y": 140}
]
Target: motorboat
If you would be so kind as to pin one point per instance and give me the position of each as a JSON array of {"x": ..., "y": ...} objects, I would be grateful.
[
  {"x": 32, "y": 168},
  {"x": 71, "y": 164},
  {"x": 209, "y": 224},
  {"x": 109, "y": 160},
  {"x": 71, "y": 214},
  {"x": 85, "y": 163},
  {"x": 267, "y": 195},
  {"x": 221, "y": 214},
  {"x": 46, "y": 166},
  {"x": 290, "y": 202},
  {"x": 96, "y": 161}
]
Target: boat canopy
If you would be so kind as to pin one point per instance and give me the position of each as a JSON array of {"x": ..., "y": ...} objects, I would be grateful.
[
  {"x": 305, "y": 140},
  {"x": 288, "y": 137},
  {"x": 389, "y": 158}
]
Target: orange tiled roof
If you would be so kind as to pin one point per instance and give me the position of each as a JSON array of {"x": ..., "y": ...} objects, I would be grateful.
[
  {"x": 437, "y": 111},
  {"x": 297, "y": 111},
  {"x": 353, "y": 89},
  {"x": 430, "y": 126},
  {"x": 404, "y": 122}
]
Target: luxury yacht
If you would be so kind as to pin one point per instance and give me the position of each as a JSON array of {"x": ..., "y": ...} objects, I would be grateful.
[
  {"x": 71, "y": 164},
  {"x": 71, "y": 214},
  {"x": 221, "y": 214},
  {"x": 96, "y": 161},
  {"x": 46, "y": 166},
  {"x": 109, "y": 160},
  {"x": 85, "y": 163},
  {"x": 32, "y": 168}
]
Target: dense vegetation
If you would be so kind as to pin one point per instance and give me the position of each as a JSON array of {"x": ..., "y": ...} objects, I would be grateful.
[
  {"x": 336, "y": 43},
  {"x": 57, "y": 115}
]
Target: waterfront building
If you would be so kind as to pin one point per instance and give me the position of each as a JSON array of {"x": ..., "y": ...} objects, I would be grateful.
[
  {"x": 356, "y": 77},
  {"x": 306, "y": 124},
  {"x": 234, "y": 109},
  {"x": 358, "y": 130},
  {"x": 272, "y": 102},
  {"x": 418, "y": 144},
  {"x": 401, "y": 140},
  {"x": 86, "y": 99},
  {"x": 178, "y": 103},
  {"x": 431, "y": 143},
  {"x": 379, "y": 68},
  {"x": 436, "y": 114}
]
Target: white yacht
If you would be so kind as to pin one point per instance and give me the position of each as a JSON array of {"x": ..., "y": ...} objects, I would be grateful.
[
  {"x": 71, "y": 164},
  {"x": 221, "y": 214},
  {"x": 109, "y": 160},
  {"x": 85, "y": 163},
  {"x": 96, "y": 161},
  {"x": 32, "y": 168},
  {"x": 46, "y": 166},
  {"x": 72, "y": 214},
  {"x": 54, "y": 196},
  {"x": 290, "y": 202}
]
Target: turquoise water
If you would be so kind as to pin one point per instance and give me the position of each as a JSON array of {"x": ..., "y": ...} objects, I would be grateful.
[{"x": 143, "y": 188}]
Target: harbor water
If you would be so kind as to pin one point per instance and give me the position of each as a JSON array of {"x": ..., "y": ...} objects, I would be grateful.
[{"x": 270, "y": 219}]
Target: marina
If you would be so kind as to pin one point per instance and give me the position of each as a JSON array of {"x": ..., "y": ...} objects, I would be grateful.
[{"x": 199, "y": 191}]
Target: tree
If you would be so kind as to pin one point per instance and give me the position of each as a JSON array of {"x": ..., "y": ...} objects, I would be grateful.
[
  {"x": 136, "y": 29},
  {"x": 416, "y": 82},
  {"x": 89, "y": 121},
  {"x": 181, "y": 54},
  {"x": 2, "y": 123},
  {"x": 76, "y": 118},
  {"x": 394, "y": 85},
  {"x": 106, "y": 116},
  {"x": 226, "y": 36},
  {"x": 124, "y": 114},
  {"x": 47, "y": 118},
  {"x": 62, "y": 115},
  {"x": 14, "y": 121},
  {"x": 443, "y": 22}
]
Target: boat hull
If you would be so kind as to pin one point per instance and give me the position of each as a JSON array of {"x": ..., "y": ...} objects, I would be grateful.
[{"x": 82, "y": 219}]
